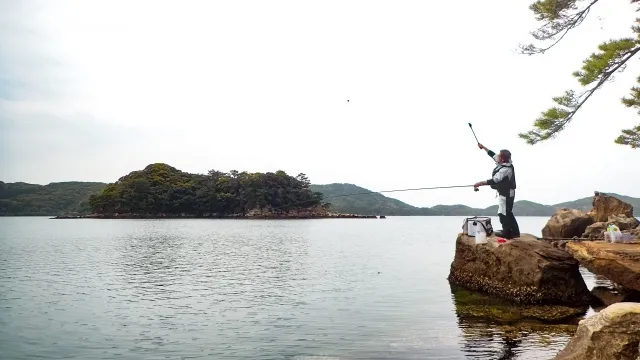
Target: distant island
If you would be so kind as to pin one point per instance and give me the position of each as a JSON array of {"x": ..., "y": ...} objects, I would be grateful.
[{"x": 162, "y": 189}]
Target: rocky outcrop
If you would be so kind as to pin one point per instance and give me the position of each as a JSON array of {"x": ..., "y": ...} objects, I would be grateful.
[
  {"x": 526, "y": 271},
  {"x": 619, "y": 263},
  {"x": 606, "y": 205},
  {"x": 570, "y": 223},
  {"x": 614, "y": 333},
  {"x": 567, "y": 223}
]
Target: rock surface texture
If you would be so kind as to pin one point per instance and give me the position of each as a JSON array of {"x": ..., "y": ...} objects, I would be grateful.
[
  {"x": 570, "y": 223},
  {"x": 606, "y": 205},
  {"x": 567, "y": 223},
  {"x": 619, "y": 263},
  {"x": 612, "y": 334},
  {"x": 525, "y": 270},
  {"x": 595, "y": 231}
]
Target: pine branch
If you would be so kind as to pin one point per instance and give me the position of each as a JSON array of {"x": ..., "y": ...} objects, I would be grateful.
[
  {"x": 598, "y": 68},
  {"x": 560, "y": 17},
  {"x": 630, "y": 137}
]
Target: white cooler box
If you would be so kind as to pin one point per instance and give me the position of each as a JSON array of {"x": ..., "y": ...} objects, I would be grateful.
[{"x": 471, "y": 225}]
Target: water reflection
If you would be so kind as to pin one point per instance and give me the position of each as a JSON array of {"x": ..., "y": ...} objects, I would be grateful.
[
  {"x": 495, "y": 329},
  {"x": 236, "y": 289}
]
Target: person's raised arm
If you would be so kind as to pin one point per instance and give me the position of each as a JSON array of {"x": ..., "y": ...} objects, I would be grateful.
[{"x": 489, "y": 152}]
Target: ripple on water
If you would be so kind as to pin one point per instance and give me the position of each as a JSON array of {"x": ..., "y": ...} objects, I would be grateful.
[{"x": 218, "y": 289}]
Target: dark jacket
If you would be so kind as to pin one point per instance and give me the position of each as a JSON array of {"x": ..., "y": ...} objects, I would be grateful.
[{"x": 503, "y": 177}]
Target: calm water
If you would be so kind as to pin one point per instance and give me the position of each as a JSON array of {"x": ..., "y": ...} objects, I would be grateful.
[{"x": 236, "y": 289}]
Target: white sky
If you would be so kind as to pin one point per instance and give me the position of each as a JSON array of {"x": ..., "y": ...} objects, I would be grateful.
[{"x": 91, "y": 90}]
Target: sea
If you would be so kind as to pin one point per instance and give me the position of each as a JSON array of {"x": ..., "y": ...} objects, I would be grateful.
[{"x": 247, "y": 289}]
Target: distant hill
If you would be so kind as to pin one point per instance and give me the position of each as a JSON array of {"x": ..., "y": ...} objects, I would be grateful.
[
  {"x": 584, "y": 204},
  {"x": 366, "y": 204},
  {"x": 20, "y": 198},
  {"x": 378, "y": 204}
]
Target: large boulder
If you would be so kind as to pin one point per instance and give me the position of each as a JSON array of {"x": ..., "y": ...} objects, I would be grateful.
[
  {"x": 619, "y": 263},
  {"x": 566, "y": 223},
  {"x": 614, "y": 333},
  {"x": 606, "y": 205},
  {"x": 525, "y": 270}
]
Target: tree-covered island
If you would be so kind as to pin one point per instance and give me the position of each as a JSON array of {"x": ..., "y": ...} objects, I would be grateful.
[{"x": 160, "y": 191}]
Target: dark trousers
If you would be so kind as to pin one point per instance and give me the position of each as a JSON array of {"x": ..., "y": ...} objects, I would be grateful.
[{"x": 510, "y": 228}]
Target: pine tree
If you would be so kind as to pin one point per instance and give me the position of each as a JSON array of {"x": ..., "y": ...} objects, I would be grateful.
[{"x": 558, "y": 17}]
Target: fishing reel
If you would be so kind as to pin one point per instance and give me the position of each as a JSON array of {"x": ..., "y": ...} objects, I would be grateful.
[{"x": 476, "y": 189}]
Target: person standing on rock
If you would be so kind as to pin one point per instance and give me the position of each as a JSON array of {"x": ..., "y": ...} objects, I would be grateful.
[{"x": 503, "y": 179}]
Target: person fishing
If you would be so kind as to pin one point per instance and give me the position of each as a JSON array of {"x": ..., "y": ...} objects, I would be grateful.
[{"x": 503, "y": 179}]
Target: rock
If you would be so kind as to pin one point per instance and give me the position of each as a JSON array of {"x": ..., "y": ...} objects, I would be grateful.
[
  {"x": 606, "y": 205},
  {"x": 623, "y": 222},
  {"x": 525, "y": 270},
  {"x": 614, "y": 333},
  {"x": 609, "y": 296},
  {"x": 567, "y": 223},
  {"x": 473, "y": 304},
  {"x": 635, "y": 232},
  {"x": 619, "y": 263},
  {"x": 595, "y": 231}
]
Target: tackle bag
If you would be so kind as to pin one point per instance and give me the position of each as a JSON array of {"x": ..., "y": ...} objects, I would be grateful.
[{"x": 471, "y": 225}]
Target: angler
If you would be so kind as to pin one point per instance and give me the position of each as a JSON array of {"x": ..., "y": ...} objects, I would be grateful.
[{"x": 503, "y": 179}]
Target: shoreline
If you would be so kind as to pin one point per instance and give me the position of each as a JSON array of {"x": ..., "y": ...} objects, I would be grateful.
[{"x": 236, "y": 217}]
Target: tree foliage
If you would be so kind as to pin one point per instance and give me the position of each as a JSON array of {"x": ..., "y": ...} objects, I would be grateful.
[
  {"x": 22, "y": 199},
  {"x": 559, "y": 17},
  {"x": 162, "y": 189}
]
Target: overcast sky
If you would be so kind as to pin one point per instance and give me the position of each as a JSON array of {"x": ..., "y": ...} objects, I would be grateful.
[{"x": 91, "y": 90}]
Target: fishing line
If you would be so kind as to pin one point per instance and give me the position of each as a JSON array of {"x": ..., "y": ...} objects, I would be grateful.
[
  {"x": 399, "y": 190},
  {"x": 369, "y": 193}
]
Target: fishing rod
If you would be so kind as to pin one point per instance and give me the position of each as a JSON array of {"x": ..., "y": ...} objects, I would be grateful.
[{"x": 474, "y": 133}]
